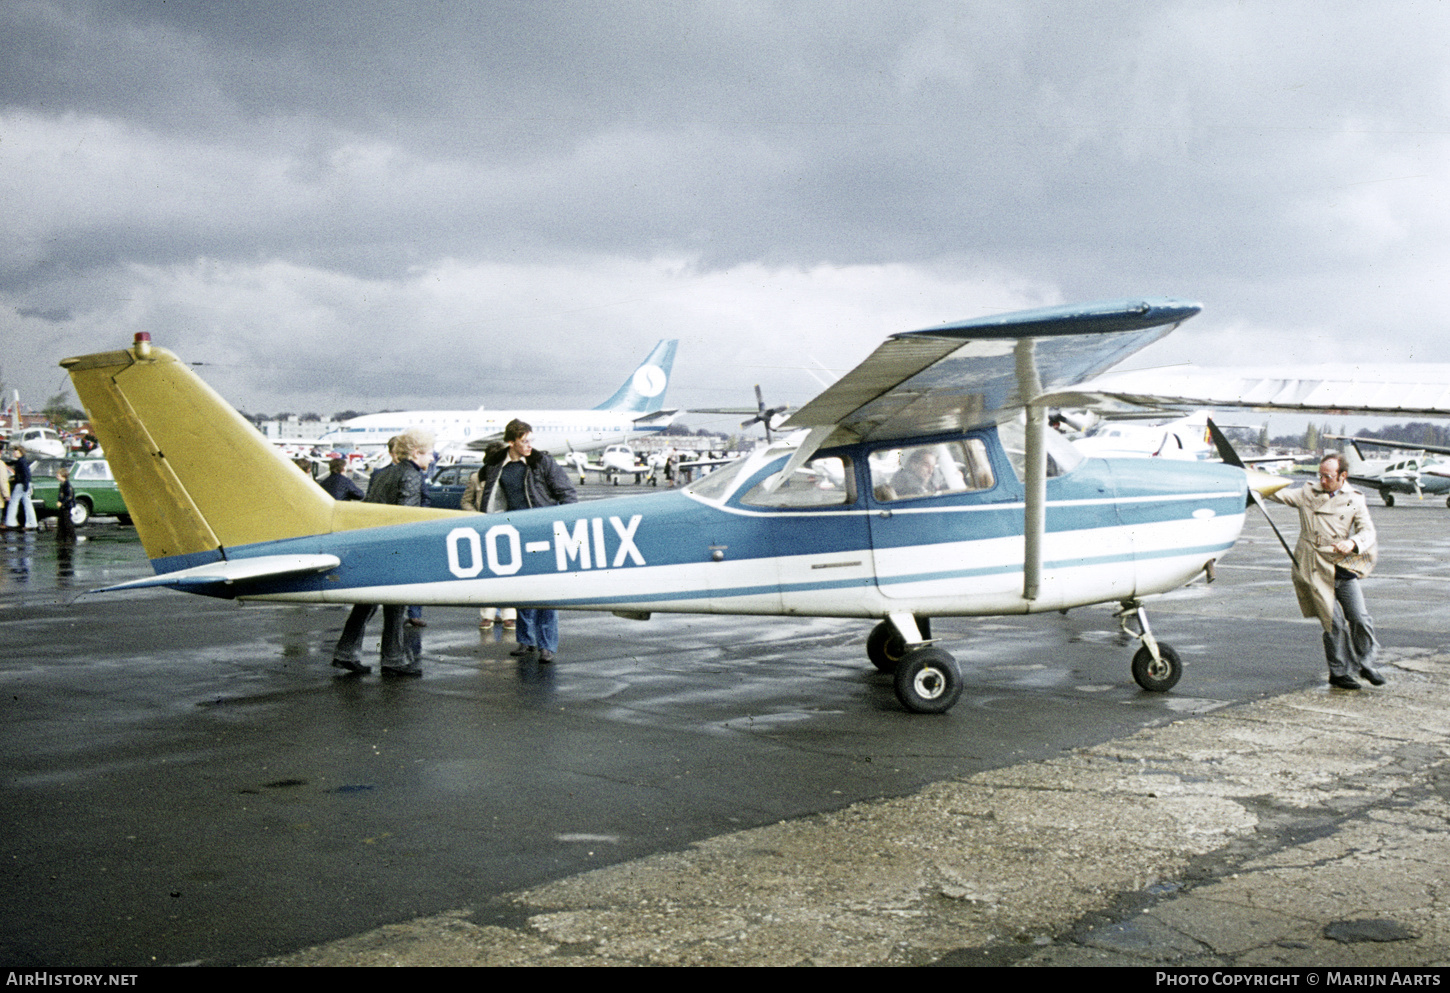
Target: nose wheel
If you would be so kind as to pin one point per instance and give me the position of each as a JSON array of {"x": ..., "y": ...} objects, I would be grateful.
[{"x": 1156, "y": 666}]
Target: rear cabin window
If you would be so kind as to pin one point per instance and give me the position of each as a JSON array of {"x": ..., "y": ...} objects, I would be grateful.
[
  {"x": 1062, "y": 455},
  {"x": 931, "y": 470}
]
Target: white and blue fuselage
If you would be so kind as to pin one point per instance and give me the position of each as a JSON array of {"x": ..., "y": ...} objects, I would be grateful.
[{"x": 1116, "y": 530}]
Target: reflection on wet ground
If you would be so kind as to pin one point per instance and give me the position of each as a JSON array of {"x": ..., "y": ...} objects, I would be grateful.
[{"x": 188, "y": 779}]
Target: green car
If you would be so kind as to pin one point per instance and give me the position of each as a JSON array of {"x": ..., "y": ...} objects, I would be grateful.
[{"x": 94, "y": 486}]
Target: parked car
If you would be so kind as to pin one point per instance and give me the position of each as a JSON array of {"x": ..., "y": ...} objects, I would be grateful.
[
  {"x": 447, "y": 484},
  {"x": 94, "y": 486}
]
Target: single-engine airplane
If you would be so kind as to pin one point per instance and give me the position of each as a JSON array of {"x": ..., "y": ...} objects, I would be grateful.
[
  {"x": 614, "y": 461},
  {"x": 924, "y": 484}
]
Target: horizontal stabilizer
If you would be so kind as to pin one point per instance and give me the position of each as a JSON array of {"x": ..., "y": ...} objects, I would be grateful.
[{"x": 234, "y": 571}]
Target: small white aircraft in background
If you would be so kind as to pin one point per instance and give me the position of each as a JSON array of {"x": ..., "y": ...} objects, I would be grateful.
[
  {"x": 40, "y": 441},
  {"x": 1411, "y": 472},
  {"x": 635, "y": 409},
  {"x": 613, "y": 462}
]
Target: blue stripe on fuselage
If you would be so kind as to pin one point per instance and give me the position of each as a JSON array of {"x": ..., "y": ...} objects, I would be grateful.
[{"x": 677, "y": 529}]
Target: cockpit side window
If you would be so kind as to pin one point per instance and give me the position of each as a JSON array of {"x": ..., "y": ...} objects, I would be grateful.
[
  {"x": 822, "y": 482},
  {"x": 931, "y": 470}
]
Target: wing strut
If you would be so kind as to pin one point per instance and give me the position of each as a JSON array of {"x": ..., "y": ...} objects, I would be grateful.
[
  {"x": 1034, "y": 483},
  {"x": 808, "y": 447}
]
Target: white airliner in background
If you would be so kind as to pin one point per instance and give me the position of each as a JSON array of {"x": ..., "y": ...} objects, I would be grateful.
[{"x": 635, "y": 409}]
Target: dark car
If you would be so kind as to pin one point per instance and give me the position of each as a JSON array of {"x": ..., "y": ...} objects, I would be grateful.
[{"x": 447, "y": 484}]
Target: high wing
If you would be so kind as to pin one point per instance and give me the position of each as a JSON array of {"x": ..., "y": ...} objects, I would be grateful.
[
  {"x": 970, "y": 373},
  {"x": 1391, "y": 389}
]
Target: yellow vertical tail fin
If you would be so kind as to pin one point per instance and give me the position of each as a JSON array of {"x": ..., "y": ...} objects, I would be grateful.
[{"x": 197, "y": 476}]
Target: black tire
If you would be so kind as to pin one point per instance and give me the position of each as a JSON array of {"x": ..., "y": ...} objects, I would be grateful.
[
  {"x": 124, "y": 519},
  {"x": 1160, "y": 677},
  {"x": 928, "y": 681},
  {"x": 884, "y": 647},
  {"x": 1389, "y": 498},
  {"x": 80, "y": 511}
]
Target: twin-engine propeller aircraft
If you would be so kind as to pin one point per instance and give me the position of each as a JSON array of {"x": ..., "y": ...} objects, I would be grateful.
[
  {"x": 924, "y": 484},
  {"x": 1412, "y": 474}
]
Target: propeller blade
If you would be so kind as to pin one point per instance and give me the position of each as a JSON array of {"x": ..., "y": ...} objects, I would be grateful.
[
  {"x": 1259, "y": 501},
  {"x": 1259, "y": 482},
  {"x": 1225, "y": 449}
]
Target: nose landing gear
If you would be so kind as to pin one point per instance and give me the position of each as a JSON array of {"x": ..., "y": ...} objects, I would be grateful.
[{"x": 1156, "y": 666}]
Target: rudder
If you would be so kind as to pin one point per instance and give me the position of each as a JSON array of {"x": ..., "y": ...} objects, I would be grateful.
[{"x": 194, "y": 473}]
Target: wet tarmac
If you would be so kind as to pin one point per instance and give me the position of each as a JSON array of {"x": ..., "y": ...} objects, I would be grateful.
[{"x": 187, "y": 780}]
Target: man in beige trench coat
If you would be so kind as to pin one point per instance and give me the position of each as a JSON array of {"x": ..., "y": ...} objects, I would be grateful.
[{"x": 1336, "y": 550}]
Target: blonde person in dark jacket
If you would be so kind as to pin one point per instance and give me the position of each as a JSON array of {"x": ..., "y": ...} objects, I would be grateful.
[{"x": 400, "y": 484}]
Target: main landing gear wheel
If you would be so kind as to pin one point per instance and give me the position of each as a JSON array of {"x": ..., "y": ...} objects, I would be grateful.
[
  {"x": 928, "y": 681},
  {"x": 1389, "y": 499},
  {"x": 884, "y": 647},
  {"x": 1160, "y": 676}
]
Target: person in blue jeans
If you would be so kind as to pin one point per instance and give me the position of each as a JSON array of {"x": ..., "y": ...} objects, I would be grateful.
[
  {"x": 517, "y": 478},
  {"x": 20, "y": 494}
]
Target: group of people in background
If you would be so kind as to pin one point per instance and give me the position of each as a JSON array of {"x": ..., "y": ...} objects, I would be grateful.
[
  {"x": 17, "y": 491},
  {"x": 513, "y": 477}
]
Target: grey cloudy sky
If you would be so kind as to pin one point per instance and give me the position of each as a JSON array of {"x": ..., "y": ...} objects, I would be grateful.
[{"x": 437, "y": 204}]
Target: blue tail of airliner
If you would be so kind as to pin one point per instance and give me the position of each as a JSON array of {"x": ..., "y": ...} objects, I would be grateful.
[{"x": 644, "y": 390}]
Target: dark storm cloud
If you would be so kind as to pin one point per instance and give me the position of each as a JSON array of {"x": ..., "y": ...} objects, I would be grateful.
[
  {"x": 842, "y": 132},
  {"x": 1281, "y": 161}
]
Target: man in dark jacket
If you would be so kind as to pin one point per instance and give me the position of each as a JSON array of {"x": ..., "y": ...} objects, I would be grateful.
[
  {"x": 518, "y": 478},
  {"x": 400, "y": 484},
  {"x": 338, "y": 485}
]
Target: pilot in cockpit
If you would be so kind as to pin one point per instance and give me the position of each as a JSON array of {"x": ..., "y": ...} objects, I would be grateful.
[{"x": 917, "y": 476}]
